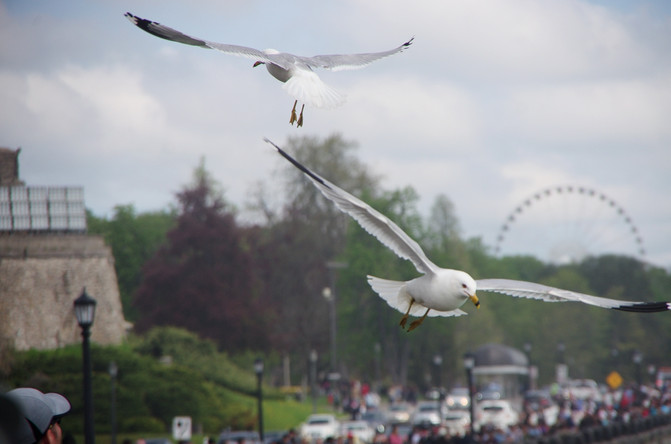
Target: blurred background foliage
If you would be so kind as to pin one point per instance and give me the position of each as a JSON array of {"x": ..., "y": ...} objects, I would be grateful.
[{"x": 212, "y": 290}]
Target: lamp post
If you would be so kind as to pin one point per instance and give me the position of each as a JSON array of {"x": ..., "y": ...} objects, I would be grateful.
[
  {"x": 469, "y": 363},
  {"x": 330, "y": 298},
  {"x": 313, "y": 379},
  {"x": 85, "y": 310},
  {"x": 438, "y": 362},
  {"x": 329, "y": 294},
  {"x": 258, "y": 369},
  {"x": 527, "y": 351},
  {"x": 562, "y": 368},
  {"x": 377, "y": 350},
  {"x": 637, "y": 357},
  {"x": 113, "y": 371}
]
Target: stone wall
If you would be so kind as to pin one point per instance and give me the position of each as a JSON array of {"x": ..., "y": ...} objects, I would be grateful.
[{"x": 42, "y": 275}]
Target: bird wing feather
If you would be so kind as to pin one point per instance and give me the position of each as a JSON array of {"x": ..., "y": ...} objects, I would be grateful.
[
  {"x": 546, "y": 293},
  {"x": 173, "y": 35},
  {"x": 283, "y": 59},
  {"x": 339, "y": 62},
  {"x": 370, "y": 220}
]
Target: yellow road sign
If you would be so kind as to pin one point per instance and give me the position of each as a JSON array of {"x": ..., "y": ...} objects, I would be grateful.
[{"x": 614, "y": 380}]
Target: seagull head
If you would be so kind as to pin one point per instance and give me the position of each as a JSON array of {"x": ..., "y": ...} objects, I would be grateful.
[
  {"x": 466, "y": 287},
  {"x": 269, "y": 52}
]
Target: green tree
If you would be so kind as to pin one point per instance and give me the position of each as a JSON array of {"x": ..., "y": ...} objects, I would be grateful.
[
  {"x": 133, "y": 238},
  {"x": 292, "y": 255}
]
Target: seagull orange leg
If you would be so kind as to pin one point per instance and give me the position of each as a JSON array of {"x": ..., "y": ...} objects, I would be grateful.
[
  {"x": 404, "y": 319},
  {"x": 293, "y": 113},
  {"x": 300, "y": 118},
  {"x": 418, "y": 322}
]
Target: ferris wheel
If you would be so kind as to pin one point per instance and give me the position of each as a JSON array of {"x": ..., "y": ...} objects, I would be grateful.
[{"x": 566, "y": 223}]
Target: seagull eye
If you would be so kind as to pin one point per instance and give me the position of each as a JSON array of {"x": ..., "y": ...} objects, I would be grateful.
[{"x": 463, "y": 286}]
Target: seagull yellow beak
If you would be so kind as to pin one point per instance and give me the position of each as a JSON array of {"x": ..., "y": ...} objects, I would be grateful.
[{"x": 475, "y": 300}]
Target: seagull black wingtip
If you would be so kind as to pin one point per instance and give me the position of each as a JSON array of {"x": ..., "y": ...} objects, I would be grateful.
[
  {"x": 646, "y": 307},
  {"x": 296, "y": 164},
  {"x": 141, "y": 23}
]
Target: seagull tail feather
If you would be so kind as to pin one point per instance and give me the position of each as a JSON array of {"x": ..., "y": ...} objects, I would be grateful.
[{"x": 393, "y": 292}]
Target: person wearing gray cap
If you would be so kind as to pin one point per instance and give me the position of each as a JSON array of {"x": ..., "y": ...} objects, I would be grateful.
[{"x": 41, "y": 413}]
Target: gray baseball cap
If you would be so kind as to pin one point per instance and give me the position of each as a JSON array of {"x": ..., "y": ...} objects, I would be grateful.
[{"x": 39, "y": 409}]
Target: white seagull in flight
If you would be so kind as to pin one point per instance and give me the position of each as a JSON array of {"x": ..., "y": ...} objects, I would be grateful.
[
  {"x": 441, "y": 291},
  {"x": 296, "y": 72}
]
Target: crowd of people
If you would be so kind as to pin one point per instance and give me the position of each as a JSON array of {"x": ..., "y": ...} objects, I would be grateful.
[
  {"x": 562, "y": 416},
  {"x": 29, "y": 416}
]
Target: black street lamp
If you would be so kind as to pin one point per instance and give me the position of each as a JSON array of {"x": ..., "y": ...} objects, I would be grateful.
[
  {"x": 85, "y": 311},
  {"x": 329, "y": 294},
  {"x": 438, "y": 363},
  {"x": 561, "y": 350},
  {"x": 469, "y": 363},
  {"x": 527, "y": 351},
  {"x": 113, "y": 371},
  {"x": 258, "y": 369},
  {"x": 637, "y": 357},
  {"x": 313, "y": 379},
  {"x": 330, "y": 298}
]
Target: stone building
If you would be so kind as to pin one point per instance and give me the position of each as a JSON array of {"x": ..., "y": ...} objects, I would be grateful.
[{"x": 46, "y": 260}]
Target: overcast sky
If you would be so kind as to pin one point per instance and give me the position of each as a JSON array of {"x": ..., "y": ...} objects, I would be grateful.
[{"x": 494, "y": 102}]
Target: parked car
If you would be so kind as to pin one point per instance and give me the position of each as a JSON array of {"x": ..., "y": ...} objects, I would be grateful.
[
  {"x": 585, "y": 389},
  {"x": 498, "y": 413},
  {"x": 320, "y": 427},
  {"x": 490, "y": 391},
  {"x": 157, "y": 441},
  {"x": 358, "y": 429},
  {"x": 238, "y": 436},
  {"x": 375, "y": 419},
  {"x": 537, "y": 400},
  {"x": 458, "y": 398},
  {"x": 428, "y": 413},
  {"x": 273, "y": 436},
  {"x": 399, "y": 413},
  {"x": 458, "y": 421}
]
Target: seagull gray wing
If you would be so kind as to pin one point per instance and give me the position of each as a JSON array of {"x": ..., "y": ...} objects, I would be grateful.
[
  {"x": 173, "y": 35},
  {"x": 523, "y": 289},
  {"x": 370, "y": 220},
  {"x": 338, "y": 62}
]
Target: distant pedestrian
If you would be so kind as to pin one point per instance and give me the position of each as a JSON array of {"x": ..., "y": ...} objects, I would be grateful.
[
  {"x": 394, "y": 436},
  {"x": 42, "y": 415}
]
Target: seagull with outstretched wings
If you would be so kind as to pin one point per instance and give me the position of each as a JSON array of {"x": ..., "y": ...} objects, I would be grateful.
[
  {"x": 441, "y": 291},
  {"x": 296, "y": 72}
]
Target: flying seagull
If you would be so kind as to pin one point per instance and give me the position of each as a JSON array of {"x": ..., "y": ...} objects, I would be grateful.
[
  {"x": 441, "y": 291},
  {"x": 296, "y": 72}
]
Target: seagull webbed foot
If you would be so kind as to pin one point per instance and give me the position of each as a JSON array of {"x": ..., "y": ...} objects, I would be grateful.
[
  {"x": 418, "y": 322},
  {"x": 300, "y": 118},
  {"x": 404, "y": 319},
  {"x": 293, "y": 114}
]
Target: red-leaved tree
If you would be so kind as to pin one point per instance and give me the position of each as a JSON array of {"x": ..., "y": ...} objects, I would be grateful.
[{"x": 201, "y": 279}]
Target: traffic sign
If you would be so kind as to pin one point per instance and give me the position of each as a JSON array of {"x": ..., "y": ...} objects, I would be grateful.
[
  {"x": 614, "y": 380},
  {"x": 181, "y": 428}
]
